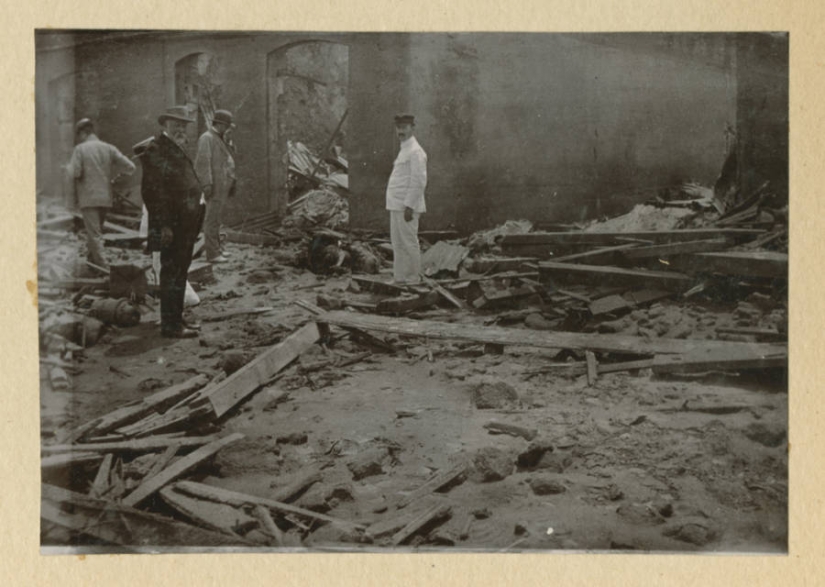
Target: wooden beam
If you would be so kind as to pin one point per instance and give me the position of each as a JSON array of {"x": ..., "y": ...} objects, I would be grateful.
[
  {"x": 405, "y": 304},
  {"x": 101, "y": 482},
  {"x": 69, "y": 459},
  {"x": 701, "y": 360},
  {"x": 140, "y": 445},
  {"x": 608, "y": 238},
  {"x": 236, "y": 499},
  {"x": 156, "y": 402},
  {"x": 768, "y": 264},
  {"x": 208, "y": 514},
  {"x": 434, "y": 513},
  {"x": 225, "y": 395},
  {"x": 150, "y": 486},
  {"x": 268, "y": 524},
  {"x": 608, "y": 343},
  {"x": 440, "y": 480},
  {"x": 592, "y": 367},
  {"x": 615, "y": 275},
  {"x": 600, "y": 256},
  {"x": 123, "y": 525},
  {"x": 445, "y": 294},
  {"x": 679, "y": 248}
]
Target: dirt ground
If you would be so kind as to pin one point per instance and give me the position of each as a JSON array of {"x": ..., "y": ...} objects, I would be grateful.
[{"x": 633, "y": 462}]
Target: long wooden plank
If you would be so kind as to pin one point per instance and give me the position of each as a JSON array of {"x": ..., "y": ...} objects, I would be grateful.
[
  {"x": 680, "y": 248},
  {"x": 433, "y": 484},
  {"x": 156, "y": 402},
  {"x": 607, "y": 238},
  {"x": 434, "y": 513},
  {"x": 150, "y": 486},
  {"x": 616, "y": 343},
  {"x": 140, "y": 445},
  {"x": 69, "y": 458},
  {"x": 769, "y": 264},
  {"x": 225, "y": 395},
  {"x": 101, "y": 482},
  {"x": 615, "y": 275},
  {"x": 600, "y": 256},
  {"x": 699, "y": 361},
  {"x": 236, "y": 499},
  {"x": 123, "y": 525},
  {"x": 208, "y": 514}
]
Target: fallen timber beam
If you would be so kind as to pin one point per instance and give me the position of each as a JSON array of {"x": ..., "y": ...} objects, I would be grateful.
[
  {"x": 608, "y": 238},
  {"x": 223, "y": 396},
  {"x": 600, "y": 256},
  {"x": 140, "y": 445},
  {"x": 166, "y": 476},
  {"x": 769, "y": 264},
  {"x": 236, "y": 499},
  {"x": 440, "y": 480},
  {"x": 124, "y": 526},
  {"x": 608, "y": 343},
  {"x": 615, "y": 275},
  {"x": 679, "y": 248}
]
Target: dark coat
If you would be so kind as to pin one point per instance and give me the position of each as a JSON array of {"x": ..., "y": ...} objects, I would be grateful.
[{"x": 170, "y": 190}]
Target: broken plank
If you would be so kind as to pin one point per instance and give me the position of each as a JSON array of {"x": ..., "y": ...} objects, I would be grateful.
[
  {"x": 497, "y": 264},
  {"x": 433, "y": 514},
  {"x": 768, "y": 264},
  {"x": 592, "y": 367},
  {"x": 378, "y": 286},
  {"x": 679, "y": 248},
  {"x": 405, "y": 304},
  {"x": 615, "y": 275},
  {"x": 140, "y": 445},
  {"x": 236, "y": 499},
  {"x": 163, "y": 460},
  {"x": 268, "y": 524},
  {"x": 701, "y": 360},
  {"x": 628, "y": 300},
  {"x": 444, "y": 293},
  {"x": 299, "y": 485},
  {"x": 70, "y": 458},
  {"x": 150, "y": 486},
  {"x": 156, "y": 402},
  {"x": 209, "y": 514},
  {"x": 607, "y": 238},
  {"x": 440, "y": 480},
  {"x": 511, "y": 429},
  {"x": 607, "y": 343},
  {"x": 121, "y": 525},
  {"x": 101, "y": 482},
  {"x": 225, "y": 395},
  {"x": 764, "y": 333},
  {"x": 600, "y": 256}
]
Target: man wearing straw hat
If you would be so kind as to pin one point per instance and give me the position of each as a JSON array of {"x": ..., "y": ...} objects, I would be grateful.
[
  {"x": 216, "y": 170},
  {"x": 172, "y": 194}
]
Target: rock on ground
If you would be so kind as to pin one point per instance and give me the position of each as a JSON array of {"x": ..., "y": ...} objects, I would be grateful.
[
  {"x": 492, "y": 464},
  {"x": 492, "y": 396}
]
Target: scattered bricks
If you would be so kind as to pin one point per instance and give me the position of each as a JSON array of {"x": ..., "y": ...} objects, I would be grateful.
[
  {"x": 492, "y": 464},
  {"x": 368, "y": 463},
  {"x": 534, "y": 454},
  {"x": 492, "y": 396},
  {"x": 765, "y": 434},
  {"x": 546, "y": 486}
]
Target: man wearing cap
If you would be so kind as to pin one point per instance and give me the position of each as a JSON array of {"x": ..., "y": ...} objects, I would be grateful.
[
  {"x": 93, "y": 166},
  {"x": 172, "y": 195},
  {"x": 216, "y": 170},
  {"x": 405, "y": 202}
]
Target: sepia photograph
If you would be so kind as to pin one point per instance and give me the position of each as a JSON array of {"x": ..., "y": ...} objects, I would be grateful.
[{"x": 412, "y": 291}]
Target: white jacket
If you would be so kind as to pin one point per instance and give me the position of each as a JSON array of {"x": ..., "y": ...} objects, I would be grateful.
[{"x": 408, "y": 179}]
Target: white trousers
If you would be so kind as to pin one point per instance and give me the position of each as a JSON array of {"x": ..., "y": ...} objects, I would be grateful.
[{"x": 406, "y": 252}]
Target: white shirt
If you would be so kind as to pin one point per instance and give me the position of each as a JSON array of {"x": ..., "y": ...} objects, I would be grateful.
[{"x": 408, "y": 178}]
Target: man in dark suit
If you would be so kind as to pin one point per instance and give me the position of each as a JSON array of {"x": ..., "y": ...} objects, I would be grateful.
[{"x": 172, "y": 194}]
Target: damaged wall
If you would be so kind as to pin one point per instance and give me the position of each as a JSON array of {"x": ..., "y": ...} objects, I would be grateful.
[
  {"x": 124, "y": 80},
  {"x": 552, "y": 127},
  {"x": 762, "y": 112}
]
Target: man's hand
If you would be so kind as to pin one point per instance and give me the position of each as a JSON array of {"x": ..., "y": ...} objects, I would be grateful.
[
  {"x": 207, "y": 191},
  {"x": 166, "y": 236},
  {"x": 408, "y": 213}
]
